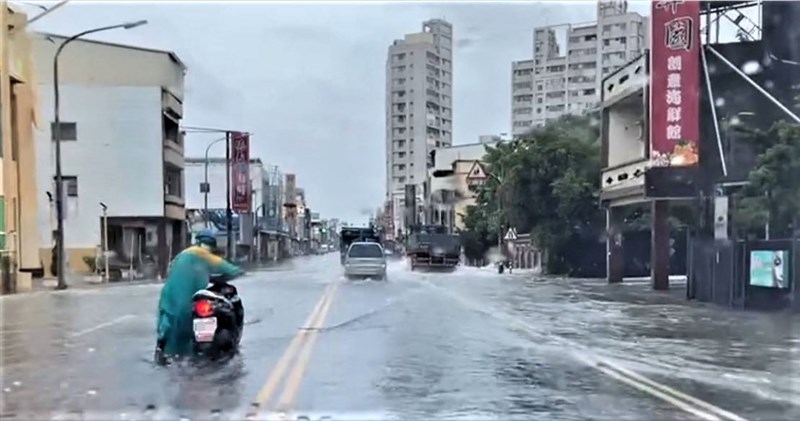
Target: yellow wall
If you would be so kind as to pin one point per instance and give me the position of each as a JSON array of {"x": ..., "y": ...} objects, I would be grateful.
[
  {"x": 18, "y": 105},
  {"x": 462, "y": 169}
]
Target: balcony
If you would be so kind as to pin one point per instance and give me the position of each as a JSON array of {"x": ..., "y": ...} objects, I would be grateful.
[{"x": 173, "y": 153}]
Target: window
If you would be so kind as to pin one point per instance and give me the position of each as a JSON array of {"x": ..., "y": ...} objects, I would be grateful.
[
  {"x": 70, "y": 185},
  {"x": 173, "y": 181},
  {"x": 365, "y": 251},
  {"x": 69, "y": 131}
]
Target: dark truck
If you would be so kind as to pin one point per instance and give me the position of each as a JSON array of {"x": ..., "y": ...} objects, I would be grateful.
[
  {"x": 350, "y": 235},
  {"x": 433, "y": 246}
]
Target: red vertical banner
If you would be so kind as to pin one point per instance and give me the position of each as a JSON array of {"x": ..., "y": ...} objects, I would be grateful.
[
  {"x": 675, "y": 83},
  {"x": 240, "y": 172}
]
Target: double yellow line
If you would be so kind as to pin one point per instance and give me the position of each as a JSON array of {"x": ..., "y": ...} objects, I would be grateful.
[{"x": 299, "y": 353}]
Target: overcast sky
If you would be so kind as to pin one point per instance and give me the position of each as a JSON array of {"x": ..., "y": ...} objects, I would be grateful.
[{"x": 308, "y": 78}]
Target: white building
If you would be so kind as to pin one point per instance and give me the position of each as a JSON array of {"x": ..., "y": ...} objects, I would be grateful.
[
  {"x": 419, "y": 108},
  {"x": 217, "y": 198},
  {"x": 565, "y": 74},
  {"x": 120, "y": 111}
]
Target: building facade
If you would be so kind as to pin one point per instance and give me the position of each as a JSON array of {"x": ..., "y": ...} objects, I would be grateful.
[
  {"x": 121, "y": 108},
  {"x": 569, "y": 63},
  {"x": 451, "y": 195},
  {"x": 19, "y": 117},
  {"x": 419, "y": 108}
]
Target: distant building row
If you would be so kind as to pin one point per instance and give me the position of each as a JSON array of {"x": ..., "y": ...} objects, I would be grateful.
[{"x": 122, "y": 147}]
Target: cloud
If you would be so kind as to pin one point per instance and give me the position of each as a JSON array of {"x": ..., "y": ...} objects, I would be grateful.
[{"x": 309, "y": 79}]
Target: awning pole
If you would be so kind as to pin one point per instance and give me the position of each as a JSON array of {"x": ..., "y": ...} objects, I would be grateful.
[{"x": 714, "y": 113}]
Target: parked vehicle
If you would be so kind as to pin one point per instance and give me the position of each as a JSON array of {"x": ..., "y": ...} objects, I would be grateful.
[
  {"x": 218, "y": 320},
  {"x": 365, "y": 260}
]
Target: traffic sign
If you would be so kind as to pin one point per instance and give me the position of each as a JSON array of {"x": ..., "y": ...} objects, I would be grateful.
[{"x": 511, "y": 234}]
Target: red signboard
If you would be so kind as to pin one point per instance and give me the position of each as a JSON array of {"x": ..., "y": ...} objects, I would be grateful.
[
  {"x": 240, "y": 172},
  {"x": 675, "y": 83}
]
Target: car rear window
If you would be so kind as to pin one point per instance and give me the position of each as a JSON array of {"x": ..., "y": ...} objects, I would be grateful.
[{"x": 365, "y": 250}]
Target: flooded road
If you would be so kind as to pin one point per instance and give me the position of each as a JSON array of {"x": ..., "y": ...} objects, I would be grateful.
[{"x": 468, "y": 345}]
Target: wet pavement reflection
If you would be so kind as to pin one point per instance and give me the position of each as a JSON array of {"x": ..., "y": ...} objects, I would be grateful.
[{"x": 467, "y": 345}]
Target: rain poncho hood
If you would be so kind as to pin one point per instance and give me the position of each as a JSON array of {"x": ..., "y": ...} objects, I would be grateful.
[{"x": 189, "y": 272}]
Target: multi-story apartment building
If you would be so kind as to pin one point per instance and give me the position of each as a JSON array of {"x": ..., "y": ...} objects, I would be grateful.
[
  {"x": 565, "y": 79},
  {"x": 419, "y": 108},
  {"x": 121, "y": 108}
]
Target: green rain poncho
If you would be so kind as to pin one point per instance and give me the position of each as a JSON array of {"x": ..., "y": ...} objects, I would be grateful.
[{"x": 189, "y": 272}]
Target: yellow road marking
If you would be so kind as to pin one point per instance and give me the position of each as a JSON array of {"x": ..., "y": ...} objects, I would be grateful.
[
  {"x": 283, "y": 364},
  {"x": 296, "y": 376},
  {"x": 700, "y": 404},
  {"x": 663, "y": 396}
]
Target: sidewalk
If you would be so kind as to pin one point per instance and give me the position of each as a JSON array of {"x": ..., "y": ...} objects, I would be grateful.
[{"x": 85, "y": 282}]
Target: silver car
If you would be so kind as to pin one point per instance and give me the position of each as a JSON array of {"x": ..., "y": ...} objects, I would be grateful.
[{"x": 365, "y": 260}]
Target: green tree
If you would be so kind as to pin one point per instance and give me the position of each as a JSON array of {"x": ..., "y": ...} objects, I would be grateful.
[
  {"x": 773, "y": 193},
  {"x": 545, "y": 183}
]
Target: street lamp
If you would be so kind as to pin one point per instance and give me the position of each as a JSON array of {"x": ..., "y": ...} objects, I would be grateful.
[
  {"x": 57, "y": 138},
  {"x": 228, "y": 210},
  {"x": 206, "y": 186}
]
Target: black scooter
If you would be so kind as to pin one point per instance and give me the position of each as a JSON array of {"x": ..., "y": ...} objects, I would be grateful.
[{"x": 218, "y": 320}]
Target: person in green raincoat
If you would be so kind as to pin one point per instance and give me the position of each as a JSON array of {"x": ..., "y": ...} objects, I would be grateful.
[{"x": 189, "y": 272}]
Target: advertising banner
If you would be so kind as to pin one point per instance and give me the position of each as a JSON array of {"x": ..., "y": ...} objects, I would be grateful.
[
  {"x": 769, "y": 269},
  {"x": 675, "y": 83},
  {"x": 240, "y": 172}
]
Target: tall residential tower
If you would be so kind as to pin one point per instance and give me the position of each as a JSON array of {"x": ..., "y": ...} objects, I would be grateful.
[
  {"x": 565, "y": 74},
  {"x": 419, "y": 109}
]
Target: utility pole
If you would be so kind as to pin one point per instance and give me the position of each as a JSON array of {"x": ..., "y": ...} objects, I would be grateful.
[
  {"x": 106, "y": 275},
  {"x": 228, "y": 210}
]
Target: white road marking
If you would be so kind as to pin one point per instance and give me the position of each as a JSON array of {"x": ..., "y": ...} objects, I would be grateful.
[
  {"x": 101, "y": 326},
  {"x": 605, "y": 366}
]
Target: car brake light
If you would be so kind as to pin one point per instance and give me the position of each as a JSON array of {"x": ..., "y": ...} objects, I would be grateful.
[{"x": 203, "y": 308}]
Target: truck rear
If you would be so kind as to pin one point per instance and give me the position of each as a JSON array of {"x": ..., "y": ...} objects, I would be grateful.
[
  {"x": 433, "y": 251},
  {"x": 349, "y": 235}
]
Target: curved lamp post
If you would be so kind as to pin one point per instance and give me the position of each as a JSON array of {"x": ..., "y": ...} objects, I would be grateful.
[{"x": 57, "y": 138}]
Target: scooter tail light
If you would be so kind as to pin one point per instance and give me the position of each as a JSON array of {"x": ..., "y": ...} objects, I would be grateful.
[{"x": 203, "y": 308}]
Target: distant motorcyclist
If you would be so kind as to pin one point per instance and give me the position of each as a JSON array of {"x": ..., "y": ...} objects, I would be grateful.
[{"x": 189, "y": 272}]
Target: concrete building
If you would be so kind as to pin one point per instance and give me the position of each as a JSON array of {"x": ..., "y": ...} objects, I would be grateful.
[
  {"x": 217, "y": 198},
  {"x": 267, "y": 199},
  {"x": 452, "y": 193},
  {"x": 19, "y": 231},
  {"x": 121, "y": 108},
  {"x": 569, "y": 63},
  {"x": 419, "y": 108}
]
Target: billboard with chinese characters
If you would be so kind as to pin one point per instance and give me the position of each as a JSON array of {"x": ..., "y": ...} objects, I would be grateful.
[
  {"x": 675, "y": 83},
  {"x": 240, "y": 172}
]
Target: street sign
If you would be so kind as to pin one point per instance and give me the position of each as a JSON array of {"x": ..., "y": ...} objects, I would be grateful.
[{"x": 511, "y": 234}]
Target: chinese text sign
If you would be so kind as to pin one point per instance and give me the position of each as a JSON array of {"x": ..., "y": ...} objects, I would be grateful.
[
  {"x": 675, "y": 83},
  {"x": 240, "y": 172}
]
